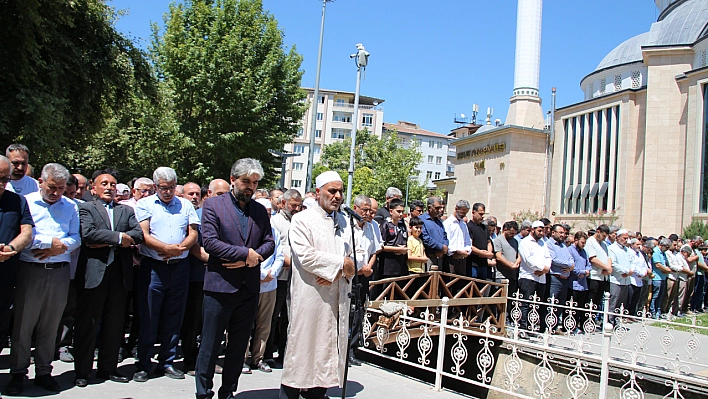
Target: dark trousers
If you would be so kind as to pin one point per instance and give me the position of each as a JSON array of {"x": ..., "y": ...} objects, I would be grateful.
[
  {"x": 697, "y": 299},
  {"x": 559, "y": 290},
  {"x": 104, "y": 305},
  {"x": 65, "y": 333},
  {"x": 234, "y": 313},
  {"x": 529, "y": 288},
  {"x": 279, "y": 325},
  {"x": 481, "y": 273},
  {"x": 162, "y": 299},
  {"x": 634, "y": 295},
  {"x": 192, "y": 324},
  {"x": 132, "y": 340},
  {"x": 619, "y": 295},
  {"x": 7, "y": 295},
  {"x": 581, "y": 298},
  {"x": 596, "y": 292},
  {"x": 287, "y": 392}
]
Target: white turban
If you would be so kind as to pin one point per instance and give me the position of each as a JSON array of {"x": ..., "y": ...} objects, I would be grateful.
[
  {"x": 327, "y": 177},
  {"x": 536, "y": 224}
]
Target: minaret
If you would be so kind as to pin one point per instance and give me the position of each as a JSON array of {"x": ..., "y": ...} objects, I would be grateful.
[{"x": 525, "y": 109}]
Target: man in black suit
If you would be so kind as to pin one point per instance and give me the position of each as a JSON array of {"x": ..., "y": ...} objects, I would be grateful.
[{"x": 104, "y": 278}]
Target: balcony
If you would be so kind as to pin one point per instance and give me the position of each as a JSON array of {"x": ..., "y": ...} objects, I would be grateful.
[{"x": 347, "y": 106}]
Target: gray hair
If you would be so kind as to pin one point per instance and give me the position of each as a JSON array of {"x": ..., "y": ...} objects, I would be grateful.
[
  {"x": 291, "y": 194},
  {"x": 392, "y": 192},
  {"x": 361, "y": 199},
  {"x": 649, "y": 244},
  {"x": 4, "y": 159},
  {"x": 698, "y": 238},
  {"x": 55, "y": 171},
  {"x": 526, "y": 224},
  {"x": 247, "y": 166},
  {"x": 165, "y": 174},
  {"x": 687, "y": 249},
  {"x": 143, "y": 181},
  {"x": 16, "y": 147},
  {"x": 433, "y": 200},
  {"x": 463, "y": 204},
  {"x": 613, "y": 229},
  {"x": 665, "y": 242}
]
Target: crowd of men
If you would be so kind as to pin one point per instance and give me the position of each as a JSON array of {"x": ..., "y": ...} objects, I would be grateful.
[{"x": 230, "y": 269}]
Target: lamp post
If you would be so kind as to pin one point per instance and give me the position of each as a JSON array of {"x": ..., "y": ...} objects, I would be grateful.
[
  {"x": 316, "y": 101},
  {"x": 361, "y": 58},
  {"x": 284, "y": 155},
  {"x": 408, "y": 181}
]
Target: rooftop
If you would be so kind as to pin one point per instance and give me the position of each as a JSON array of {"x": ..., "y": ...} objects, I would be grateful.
[
  {"x": 363, "y": 100},
  {"x": 412, "y": 128}
]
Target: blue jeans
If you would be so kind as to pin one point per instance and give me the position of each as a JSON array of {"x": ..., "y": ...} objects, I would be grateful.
[
  {"x": 658, "y": 288},
  {"x": 697, "y": 299},
  {"x": 162, "y": 298}
]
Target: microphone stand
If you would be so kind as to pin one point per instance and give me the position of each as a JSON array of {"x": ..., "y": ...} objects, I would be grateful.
[{"x": 355, "y": 295}]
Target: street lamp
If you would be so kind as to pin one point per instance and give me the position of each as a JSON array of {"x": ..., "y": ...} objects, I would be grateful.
[
  {"x": 316, "y": 101},
  {"x": 408, "y": 181},
  {"x": 284, "y": 155},
  {"x": 361, "y": 58}
]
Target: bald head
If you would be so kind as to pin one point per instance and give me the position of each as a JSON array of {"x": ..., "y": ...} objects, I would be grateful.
[
  {"x": 218, "y": 187},
  {"x": 193, "y": 193}
]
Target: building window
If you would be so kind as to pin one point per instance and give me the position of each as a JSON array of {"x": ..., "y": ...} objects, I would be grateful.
[
  {"x": 322, "y": 99},
  {"x": 296, "y": 183},
  {"x": 342, "y": 117},
  {"x": 603, "y": 85},
  {"x": 618, "y": 82},
  {"x": 430, "y": 158},
  {"x": 317, "y": 150},
  {"x": 341, "y": 134},
  {"x": 340, "y": 102},
  {"x": 431, "y": 143},
  {"x": 318, "y": 133},
  {"x": 703, "y": 58},
  {"x": 590, "y": 155},
  {"x": 440, "y": 144},
  {"x": 636, "y": 79},
  {"x": 320, "y": 116},
  {"x": 592, "y": 90},
  {"x": 437, "y": 175},
  {"x": 297, "y": 165},
  {"x": 300, "y": 132},
  {"x": 299, "y": 149},
  {"x": 429, "y": 175},
  {"x": 367, "y": 120},
  {"x": 438, "y": 160}
]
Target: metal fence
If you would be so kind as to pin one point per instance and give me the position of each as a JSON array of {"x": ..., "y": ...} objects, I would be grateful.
[{"x": 566, "y": 344}]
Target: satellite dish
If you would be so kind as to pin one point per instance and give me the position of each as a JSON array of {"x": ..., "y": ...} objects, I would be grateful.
[{"x": 462, "y": 116}]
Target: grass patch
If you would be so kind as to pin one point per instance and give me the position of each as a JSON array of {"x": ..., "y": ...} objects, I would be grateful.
[{"x": 687, "y": 323}]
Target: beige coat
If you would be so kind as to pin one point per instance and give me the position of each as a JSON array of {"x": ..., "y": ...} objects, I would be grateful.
[{"x": 319, "y": 315}]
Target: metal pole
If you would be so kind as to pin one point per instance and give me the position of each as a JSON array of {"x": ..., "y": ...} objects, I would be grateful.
[
  {"x": 441, "y": 344},
  {"x": 350, "y": 178},
  {"x": 606, "y": 336},
  {"x": 407, "y": 207},
  {"x": 549, "y": 157},
  {"x": 316, "y": 101}
]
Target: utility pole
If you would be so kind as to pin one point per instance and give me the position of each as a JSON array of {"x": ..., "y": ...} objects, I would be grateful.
[{"x": 361, "y": 58}]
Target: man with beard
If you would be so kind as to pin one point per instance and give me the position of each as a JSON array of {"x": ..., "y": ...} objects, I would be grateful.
[
  {"x": 289, "y": 206},
  {"x": 169, "y": 225},
  {"x": 20, "y": 183},
  {"x": 237, "y": 236},
  {"x": 321, "y": 281},
  {"x": 535, "y": 264},
  {"x": 434, "y": 235},
  {"x": 275, "y": 195}
]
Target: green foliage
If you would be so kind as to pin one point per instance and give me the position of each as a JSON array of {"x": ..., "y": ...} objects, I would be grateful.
[
  {"x": 526, "y": 215},
  {"x": 379, "y": 163},
  {"x": 600, "y": 217},
  {"x": 697, "y": 227},
  {"x": 236, "y": 91},
  {"x": 63, "y": 65}
]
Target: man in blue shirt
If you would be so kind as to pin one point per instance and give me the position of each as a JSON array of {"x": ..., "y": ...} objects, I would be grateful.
[
  {"x": 580, "y": 275},
  {"x": 433, "y": 235},
  {"x": 660, "y": 269},
  {"x": 562, "y": 264},
  {"x": 43, "y": 279},
  {"x": 169, "y": 226}
]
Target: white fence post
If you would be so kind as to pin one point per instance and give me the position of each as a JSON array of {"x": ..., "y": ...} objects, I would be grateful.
[
  {"x": 441, "y": 344},
  {"x": 606, "y": 335}
]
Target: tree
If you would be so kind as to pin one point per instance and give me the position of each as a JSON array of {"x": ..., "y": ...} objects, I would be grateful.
[
  {"x": 236, "y": 90},
  {"x": 379, "y": 163},
  {"x": 63, "y": 66},
  {"x": 697, "y": 227}
]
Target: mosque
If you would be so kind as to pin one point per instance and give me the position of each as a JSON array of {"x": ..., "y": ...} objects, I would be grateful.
[{"x": 636, "y": 144}]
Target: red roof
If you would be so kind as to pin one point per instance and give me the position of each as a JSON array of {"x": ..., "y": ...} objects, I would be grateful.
[{"x": 411, "y": 128}]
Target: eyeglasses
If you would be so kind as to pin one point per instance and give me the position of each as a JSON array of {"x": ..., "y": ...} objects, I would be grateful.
[
  {"x": 366, "y": 210},
  {"x": 147, "y": 190},
  {"x": 166, "y": 188}
]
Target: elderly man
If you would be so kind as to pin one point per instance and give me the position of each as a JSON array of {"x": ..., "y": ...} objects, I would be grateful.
[
  {"x": 104, "y": 277},
  {"x": 122, "y": 191},
  {"x": 289, "y": 206},
  {"x": 434, "y": 236},
  {"x": 460, "y": 243},
  {"x": 482, "y": 251},
  {"x": 16, "y": 230},
  {"x": 143, "y": 187},
  {"x": 20, "y": 183},
  {"x": 82, "y": 185},
  {"x": 524, "y": 230},
  {"x": 43, "y": 279},
  {"x": 193, "y": 194},
  {"x": 218, "y": 187},
  {"x": 321, "y": 281},
  {"x": 535, "y": 264},
  {"x": 237, "y": 236},
  {"x": 383, "y": 213},
  {"x": 169, "y": 225},
  {"x": 622, "y": 271},
  {"x": 275, "y": 195}
]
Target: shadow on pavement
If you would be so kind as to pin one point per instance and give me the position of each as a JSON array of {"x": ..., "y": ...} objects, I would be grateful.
[
  {"x": 353, "y": 388},
  {"x": 259, "y": 394}
]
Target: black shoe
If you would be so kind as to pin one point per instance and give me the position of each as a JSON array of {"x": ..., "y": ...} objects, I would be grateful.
[
  {"x": 170, "y": 372},
  {"x": 120, "y": 355},
  {"x": 47, "y": 382},
  {"x": 80, "y": 382},
  {"x": 14, "y": 387},
  {"x": 113, "y": 376},
  {"x": 140, "y": 376}
]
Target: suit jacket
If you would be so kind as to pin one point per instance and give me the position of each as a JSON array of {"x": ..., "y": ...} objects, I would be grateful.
[
  {"x": 95, "y": 229},
  {"x": 223, "y": 238}
]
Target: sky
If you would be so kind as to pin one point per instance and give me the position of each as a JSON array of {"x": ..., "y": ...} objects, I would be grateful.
[{"x": 431, "y": 60}]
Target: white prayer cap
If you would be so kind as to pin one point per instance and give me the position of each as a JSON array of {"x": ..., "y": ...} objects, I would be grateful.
[
  {"x": 265, "y": 202},
  {"x": 622, "y": 231},
  {"x": 122, "y": 188},
  {"x": 310, "y": 202},
  {"x": 327, "y": 177},
  {"x": 537, "y": 223}
]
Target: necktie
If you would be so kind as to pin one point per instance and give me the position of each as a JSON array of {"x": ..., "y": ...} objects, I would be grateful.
[{"x": 111, "y": 254}]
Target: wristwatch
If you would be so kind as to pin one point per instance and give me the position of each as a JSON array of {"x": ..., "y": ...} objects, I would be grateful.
[{"x": 11, "y": 246}]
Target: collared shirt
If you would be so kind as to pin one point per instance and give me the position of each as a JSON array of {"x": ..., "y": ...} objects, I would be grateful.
[
  {"x": 131, "y": 202},
  {"x": 26, "y": 185},
  {"x": 458, "y": 235},
  {"x": 598, "y": 250},
  {"x": 272, "y": 264},
  {"x": 480, "y": 240},
  {"x": 169, "y": 223},
  {"x": 658, "y": 257},
  {"x": 518, "y": 237},
  {"x": 366, "y": 243},
  {"x": 561, "y": 257},
  {"x": 281, "y": 223},
  {"x": 677, "y": 263},
  {"x": 582, "y": 265},
  {"x": 701, "y": 261},
  {"x": 60, "y": 220},
  {"x": 433, "y": 234},
  {"x": 639, "y": 266},
  {"x": 621, "y": 263},
  {"x": 534, "y": 257}
]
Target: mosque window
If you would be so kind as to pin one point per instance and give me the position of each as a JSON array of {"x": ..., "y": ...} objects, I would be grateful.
[
  {"x": 618, "y": 82},
  {"x": 636, "y": 79},
  {"x": 703, "y": 58},
  {"x": 603, "y": 85}
]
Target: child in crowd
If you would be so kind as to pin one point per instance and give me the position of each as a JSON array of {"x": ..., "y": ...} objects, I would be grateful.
[{"x": 416, "y": 252}]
